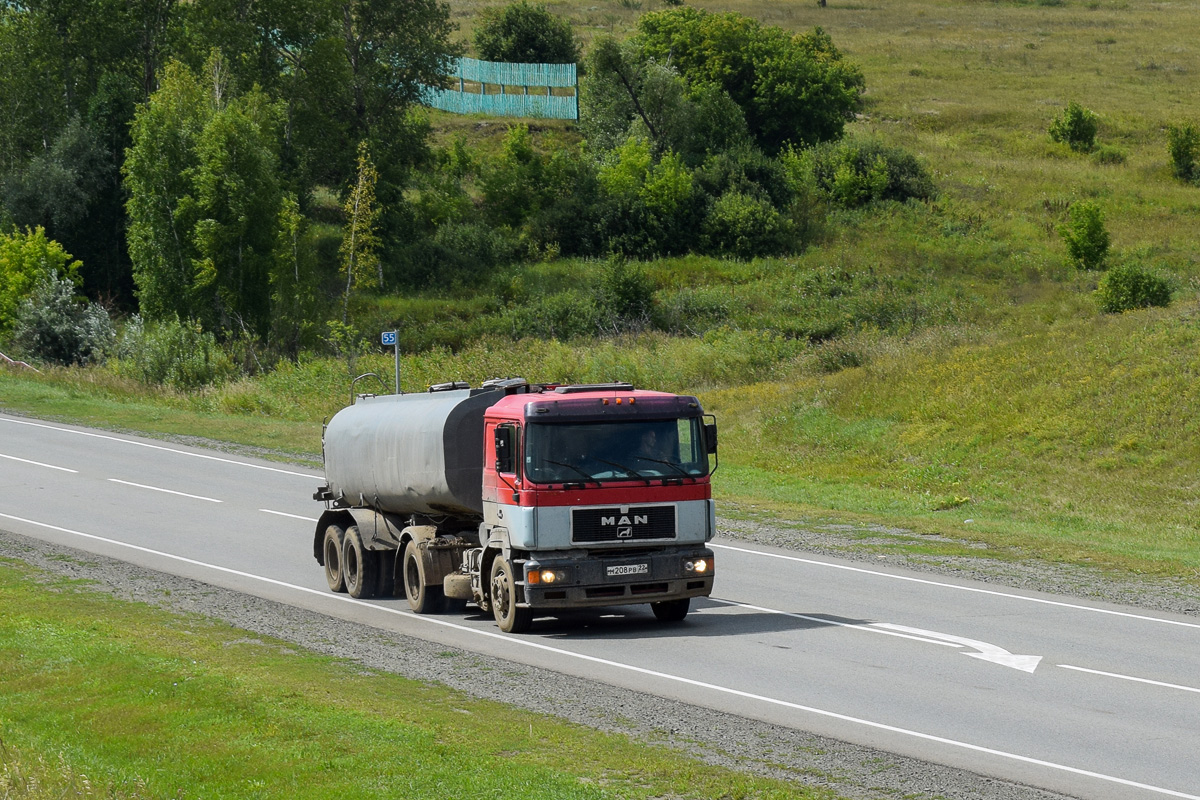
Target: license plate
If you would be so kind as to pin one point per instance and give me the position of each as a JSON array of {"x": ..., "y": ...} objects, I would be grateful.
[{"x": 629, "y": 569}]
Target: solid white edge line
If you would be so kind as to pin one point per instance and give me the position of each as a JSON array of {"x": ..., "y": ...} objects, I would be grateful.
[
  {"x": 993, "y": 592},
  {"x": 158, "y": 447},
  {"x": 629, "y": 667},
  {"x": 285, "y": 514},
  {"x": 1131, "y": 678},
  {"x": 165, "y": 491},
  {"x": 38, "y": 464}
]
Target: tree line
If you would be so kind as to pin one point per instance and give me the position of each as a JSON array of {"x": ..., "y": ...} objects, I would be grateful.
[{"x": 175, "y": 150}]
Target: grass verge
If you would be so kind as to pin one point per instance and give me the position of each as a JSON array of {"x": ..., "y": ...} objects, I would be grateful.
[{"x": 114, "y": 699}]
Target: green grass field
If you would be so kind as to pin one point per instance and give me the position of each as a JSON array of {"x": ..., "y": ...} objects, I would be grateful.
[{"x": 110, "y": 699}]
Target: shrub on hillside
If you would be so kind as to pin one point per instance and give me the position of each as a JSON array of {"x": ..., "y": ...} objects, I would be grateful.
[
  {"x": 56, "y": 326},
  {"x": 791, "y": 87},
  {"x": 172, "y": 353},
  {"x": 1130, "y": 286},
  {"x": 526, "y": 33},
  {"x": 1109, "y": 156},
  {"x": 1085, "y": 236},
  {"x": 744, "y": 226},
  {"x": 855, "y": 173},
  {"x": 564, "y": 316},
  {"x": 625, "y": 297},
  {"x": 1075, "y": 127},
  {"x": 1183, "y": 143},
  {"x": 745, "y": 170}
]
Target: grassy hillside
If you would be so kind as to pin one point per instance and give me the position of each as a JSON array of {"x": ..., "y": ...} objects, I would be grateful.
[{"x": 921, "y": 365}]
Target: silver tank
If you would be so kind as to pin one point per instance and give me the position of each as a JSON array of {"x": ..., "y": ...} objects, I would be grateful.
[{"x": 410, "y": 453}]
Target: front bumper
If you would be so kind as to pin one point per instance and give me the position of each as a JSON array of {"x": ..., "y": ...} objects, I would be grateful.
[{"x": 610, "y": 580}]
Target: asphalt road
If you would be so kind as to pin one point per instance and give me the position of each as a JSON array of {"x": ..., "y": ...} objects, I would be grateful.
[{"x": 1091, "y": 700}]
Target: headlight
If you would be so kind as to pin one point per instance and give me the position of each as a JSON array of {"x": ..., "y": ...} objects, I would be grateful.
[
  {"x": 697, "y": 565},
  {"x": 545, "y": 576}
]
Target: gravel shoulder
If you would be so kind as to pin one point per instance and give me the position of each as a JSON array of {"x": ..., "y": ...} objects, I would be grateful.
[{"x": 849, "y": 770}]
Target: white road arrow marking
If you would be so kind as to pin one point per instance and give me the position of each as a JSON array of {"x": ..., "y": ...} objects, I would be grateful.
[{"x": 987, "y": 652}]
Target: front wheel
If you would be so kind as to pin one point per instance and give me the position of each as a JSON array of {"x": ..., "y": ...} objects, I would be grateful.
[
  {"x": 503, "y": 599},
  {"x": 671, "y": 610},
  {"x": 422, "y": 597}
]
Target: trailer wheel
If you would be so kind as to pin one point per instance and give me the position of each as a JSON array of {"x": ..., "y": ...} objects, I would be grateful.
[
  {"x": 671, "y": 610},
  {"x": 332, "y": 548},
  {"x": 509, "y": 616},
  {"x": 423, "y": 598},
  {"x": 359, "y": 566}
]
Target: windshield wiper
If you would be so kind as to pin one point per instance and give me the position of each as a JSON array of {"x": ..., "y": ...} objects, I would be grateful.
[
  {"x": 626, "y": 469},
  {"x": 586, "y": 476},
  {"x": 670, "y": 464}
]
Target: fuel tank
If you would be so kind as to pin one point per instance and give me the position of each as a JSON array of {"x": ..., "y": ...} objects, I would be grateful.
[{"x": 410, "y": 453}]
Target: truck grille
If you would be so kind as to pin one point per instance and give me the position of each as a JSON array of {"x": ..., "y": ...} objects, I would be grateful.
[{"x": 622, "y": 524}]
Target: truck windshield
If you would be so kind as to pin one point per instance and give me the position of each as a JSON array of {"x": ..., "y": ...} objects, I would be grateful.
[{"x": 615, "y": 451}]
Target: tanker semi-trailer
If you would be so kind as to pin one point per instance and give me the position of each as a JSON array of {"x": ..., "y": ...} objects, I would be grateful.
[{"x": 523, "y": 499}]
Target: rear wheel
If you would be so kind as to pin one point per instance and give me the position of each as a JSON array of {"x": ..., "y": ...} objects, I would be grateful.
[
  {"x": 503, "y": 599},
  {"x": 422, "y": 597},
  {"x": 671, "y": 610},
  {"x": 332, "y": 550},
  {"x": 360, "y": 566}
]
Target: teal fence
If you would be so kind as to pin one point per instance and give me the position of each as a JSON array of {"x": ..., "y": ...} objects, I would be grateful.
[{"x": 503, "y": 90}]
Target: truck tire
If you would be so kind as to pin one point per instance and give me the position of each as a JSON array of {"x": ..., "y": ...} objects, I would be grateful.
[
  {"x": 360, "y": 566},
  {"x": 332, "y": 549},
  {"x": 671, "y": 610},
  {"x": 423, "y": 597},
  {"x": 503, "y": 599}
]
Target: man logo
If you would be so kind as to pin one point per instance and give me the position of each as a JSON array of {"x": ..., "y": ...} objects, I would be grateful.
[
  {"x": 625, "y": 533},
  {"x": 625, "y": 519}
]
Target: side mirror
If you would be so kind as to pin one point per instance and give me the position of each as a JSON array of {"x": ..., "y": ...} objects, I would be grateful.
[
  {"x": 710, "y": 437},
  {"x": 504, "y": 449}
]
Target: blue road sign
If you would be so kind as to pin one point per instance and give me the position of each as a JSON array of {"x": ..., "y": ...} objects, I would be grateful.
[{"x": 389, "y": 337}]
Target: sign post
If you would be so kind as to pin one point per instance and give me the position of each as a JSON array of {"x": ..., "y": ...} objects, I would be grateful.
[{"x": 389, "y": 338}]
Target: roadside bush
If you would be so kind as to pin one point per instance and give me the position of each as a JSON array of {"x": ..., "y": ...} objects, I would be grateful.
[
  {"x": 743, "y": 226},
  {"x": 1183, "y": 143},
  {"x": 172, "y": 353},
  {"x": 1086, "y": 237},
  {"x": 1130, "y": 286},
  {"x": 27, "y": 260},
  {"x": 526, "y": 33},
  {"x": 854, "y": 173},
  {"x": 54, "y": 325},
  {"x": 1075, "y": 127}
]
